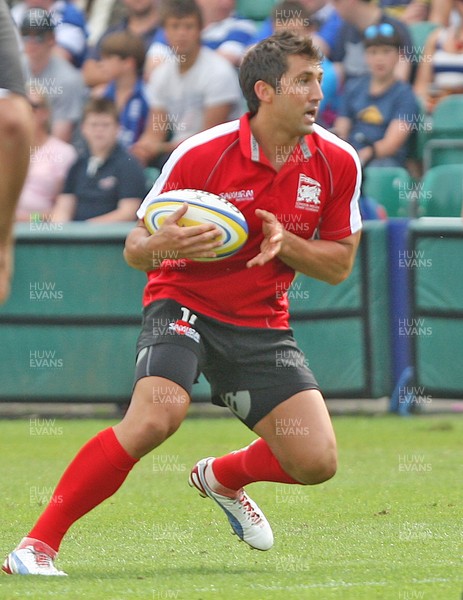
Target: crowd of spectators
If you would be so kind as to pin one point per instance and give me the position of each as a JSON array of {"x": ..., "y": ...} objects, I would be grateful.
[{"x": 163, "y": 70}]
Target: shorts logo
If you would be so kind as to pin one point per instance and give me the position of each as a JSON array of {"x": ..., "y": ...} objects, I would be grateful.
[
  {"x": 308, "y": 194},
  {"x": 183, "y": 326},
  {"x": 238, "y": 402}
]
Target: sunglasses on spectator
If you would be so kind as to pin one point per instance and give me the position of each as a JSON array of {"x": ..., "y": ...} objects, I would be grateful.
[{"x": 383, "y": 29}]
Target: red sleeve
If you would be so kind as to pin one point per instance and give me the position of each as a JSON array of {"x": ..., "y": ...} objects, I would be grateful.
[{"x": 341, "y": 213}]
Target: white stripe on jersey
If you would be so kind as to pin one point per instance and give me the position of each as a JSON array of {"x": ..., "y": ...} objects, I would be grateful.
[
  {"x": 355, "y": 218},
  {"x": 231, "y": 126},
  {"x": 183, "y": 148}
]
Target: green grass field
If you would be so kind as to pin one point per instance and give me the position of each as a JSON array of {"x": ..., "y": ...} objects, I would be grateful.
[{"x": 388, "y": 526}]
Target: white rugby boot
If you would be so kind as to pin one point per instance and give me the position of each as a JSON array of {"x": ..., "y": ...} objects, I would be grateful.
[
  {"x": 31, "y": 557},
  {"x": 246, "y": 519}
]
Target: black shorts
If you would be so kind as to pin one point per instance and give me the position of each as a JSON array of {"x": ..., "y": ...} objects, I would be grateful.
[
  {"x": 11, "y": 70},
  {"x": 250, "y": 370}
]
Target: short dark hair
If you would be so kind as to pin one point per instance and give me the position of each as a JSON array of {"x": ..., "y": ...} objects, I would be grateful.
[
  {"x": 180, "y": 9},
  {"x": 101, "y": 106},
  {"x": 124, "y": 45},
  {"x": 268, "y": 61}
]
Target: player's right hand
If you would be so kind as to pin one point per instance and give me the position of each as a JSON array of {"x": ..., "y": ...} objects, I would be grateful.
[{"x": 196, "y": 241}]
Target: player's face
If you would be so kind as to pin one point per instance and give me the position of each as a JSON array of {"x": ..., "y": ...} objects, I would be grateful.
[
  {"x": 183, "y": 35},
  {"x": 298, "y": 95},
  {"x": 100, "y": 131}
]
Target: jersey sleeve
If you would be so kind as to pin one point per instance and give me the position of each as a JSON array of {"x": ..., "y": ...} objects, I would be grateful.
[{"x": 341, "y": 213}]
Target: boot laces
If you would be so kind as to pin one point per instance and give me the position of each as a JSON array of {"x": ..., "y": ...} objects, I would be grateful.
[
  {"x": 248, "y": 508},
  {"x": 43, "y": 560}
]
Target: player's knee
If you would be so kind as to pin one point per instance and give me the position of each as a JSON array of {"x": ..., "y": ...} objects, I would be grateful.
[
  {"x": 312, "y": 468},
  {"x": 150, "y": 434}
]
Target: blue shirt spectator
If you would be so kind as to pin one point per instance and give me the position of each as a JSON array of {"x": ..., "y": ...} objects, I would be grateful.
[{"x": 132, "y": 117}]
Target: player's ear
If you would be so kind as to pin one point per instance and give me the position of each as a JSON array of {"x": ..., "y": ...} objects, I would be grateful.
[{"x": 264, "y": 91}]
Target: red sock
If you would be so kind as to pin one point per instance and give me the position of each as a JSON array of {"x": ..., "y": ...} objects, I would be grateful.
[
  {"x": 254, "y": 463},
  {"x": 98, "y": 470}
]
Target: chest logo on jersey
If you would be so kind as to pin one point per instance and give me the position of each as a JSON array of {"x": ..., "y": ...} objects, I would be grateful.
[
  {"x": 308, "y": 194},
  {"x": 238, "y": 195}
]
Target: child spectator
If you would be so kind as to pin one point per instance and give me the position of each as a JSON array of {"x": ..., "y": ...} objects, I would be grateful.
[
  {"x": 377, "y": 111},
  {"x": 122, "y": 60},
  {"x": 106, "y": 184},
  {"x": 50, "y": 160}
]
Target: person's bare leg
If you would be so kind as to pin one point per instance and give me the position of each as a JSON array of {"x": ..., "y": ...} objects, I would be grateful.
[{"x": 15, "y": 140}]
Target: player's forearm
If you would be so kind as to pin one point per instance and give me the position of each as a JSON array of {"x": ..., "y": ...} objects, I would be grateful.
[
  {"x": 136, "y": 252},
  {"x": 327, "y": 260}
]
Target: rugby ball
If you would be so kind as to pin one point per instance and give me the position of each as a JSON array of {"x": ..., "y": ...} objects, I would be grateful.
[{"x": 203, "y": 207}]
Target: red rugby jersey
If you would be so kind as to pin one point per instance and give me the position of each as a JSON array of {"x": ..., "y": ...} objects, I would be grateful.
[{"x": 315, "y": 193}]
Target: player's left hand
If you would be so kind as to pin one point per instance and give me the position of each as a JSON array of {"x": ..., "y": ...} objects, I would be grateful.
[{"x": 273, "y": 232}]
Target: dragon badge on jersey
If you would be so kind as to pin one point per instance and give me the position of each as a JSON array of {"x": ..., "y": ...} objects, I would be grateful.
[{"x": 308, "y": 194}]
